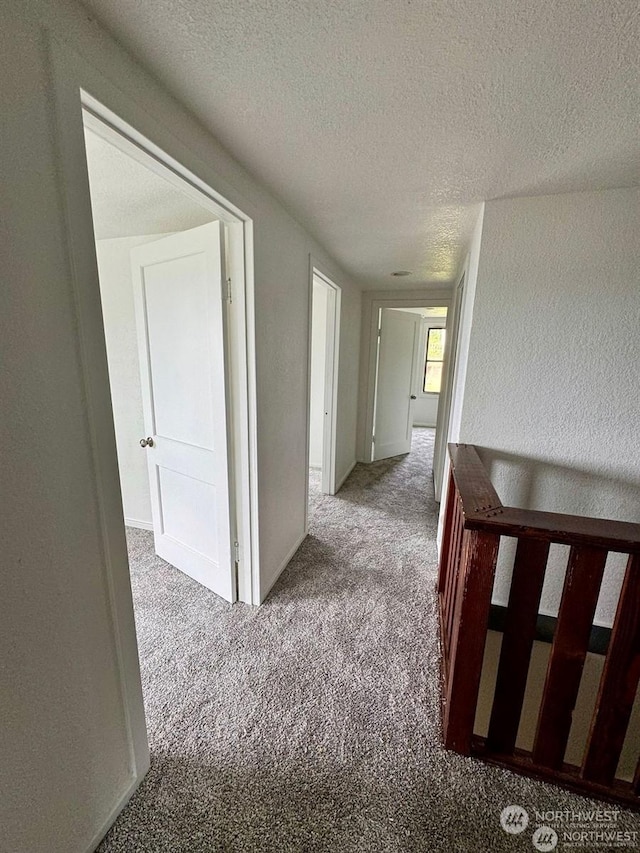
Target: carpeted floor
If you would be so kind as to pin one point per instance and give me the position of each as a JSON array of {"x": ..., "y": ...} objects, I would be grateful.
[{"x": 312, "y": 722}]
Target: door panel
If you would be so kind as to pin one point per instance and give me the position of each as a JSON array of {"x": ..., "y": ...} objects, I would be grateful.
[
  {"x": 182, "y": 328},
  {"x": 181, "y": 520},
  {"x": 181, "y": 408},
  {"x": 393, "y": 420}
]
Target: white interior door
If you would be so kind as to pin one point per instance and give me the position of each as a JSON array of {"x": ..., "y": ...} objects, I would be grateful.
[
  {"x": 181, "y": 320},
  {"x": 393, "y": 419},
  {"x": 319, "y": 351}
]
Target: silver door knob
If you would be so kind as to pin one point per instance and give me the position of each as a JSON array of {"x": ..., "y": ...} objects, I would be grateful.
[
  {"x": 146, "y": 442},
  {"x": 413, "y": 397}
]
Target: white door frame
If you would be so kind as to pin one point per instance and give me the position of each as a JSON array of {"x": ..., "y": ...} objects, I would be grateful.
[
  {"x": 443, "y": 419},
  {"x": 331, "y": 363},
  {"x": 113, "y": 130},
  {"x": 374, "y": 301},
  {"x": 78, "y": 84}
]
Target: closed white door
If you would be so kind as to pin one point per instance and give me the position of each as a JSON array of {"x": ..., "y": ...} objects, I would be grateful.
[
  {"x": 393, "y": 420},
  {"x": 181, "y": 320}
]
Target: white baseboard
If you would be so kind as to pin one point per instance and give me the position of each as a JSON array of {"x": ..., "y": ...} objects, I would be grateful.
[
  {"x": 430, "y": 426},
  {"x": 135, "y": 522},
  {"x": 264, "y": 593},
  {"x": 340, "y": 484},
  {"x": 115, "y": 811}
]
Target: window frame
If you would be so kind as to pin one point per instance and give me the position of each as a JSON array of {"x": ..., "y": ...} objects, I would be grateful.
[{"x": 428, "y": 360}]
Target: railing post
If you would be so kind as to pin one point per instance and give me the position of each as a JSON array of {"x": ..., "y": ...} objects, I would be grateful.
[
  {"x": 470, "y": 620},
  {"x": 618, "y": 685},
  {"x": 446, "y": 535},
  {"x": 517, "y": 644},
  {"x": 568, "y": 654}
]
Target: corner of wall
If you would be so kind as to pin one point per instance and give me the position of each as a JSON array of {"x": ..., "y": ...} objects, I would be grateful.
[
  {"x": 470, "y": 272},
  {"x": 466, "y": 322}
]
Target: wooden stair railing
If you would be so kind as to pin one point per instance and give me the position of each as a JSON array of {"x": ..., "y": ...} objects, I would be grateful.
[{"x": 475, "y": 520}]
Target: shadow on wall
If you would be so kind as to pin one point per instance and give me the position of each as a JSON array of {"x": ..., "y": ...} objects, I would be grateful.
[{"x": 539, "y": 484}]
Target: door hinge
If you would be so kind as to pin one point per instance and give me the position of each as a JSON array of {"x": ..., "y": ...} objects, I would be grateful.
[
  {"x": 229, "y": 293},
  {"x": 379, "y": 333},
  {"x": 373, "y": 438},
  {"x": 236, "y": 569}
]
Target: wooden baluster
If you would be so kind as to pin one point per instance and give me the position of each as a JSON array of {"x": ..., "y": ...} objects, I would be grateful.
[
  {"x": 454, "y": 544},
  {"x": 568, "y": 652},
  {"x": 472, "y": 603},
  {"x": 618, "y": 684},
  {"x": 445, "y": 564},
  {"x": 456, "y": 552},
  {"x": 517, "y": 643}
]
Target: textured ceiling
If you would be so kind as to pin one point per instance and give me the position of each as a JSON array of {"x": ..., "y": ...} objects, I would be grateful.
[
  {"x": 128, "y": 200},
  {"x": 383, "y": 123}
]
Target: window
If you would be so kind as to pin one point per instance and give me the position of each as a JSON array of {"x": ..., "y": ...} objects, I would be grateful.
[{"x": 433, "y": 361}]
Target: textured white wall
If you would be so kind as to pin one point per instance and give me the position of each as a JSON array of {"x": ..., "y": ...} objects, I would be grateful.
[
  {"x": 116, "y": 292},
  {"x": 65, "y": 757},
  {"x": 318, "y": 364},
  {"x": 63, "y": 735},
  {"x": 552, "y": 392},
  {"x": 464, "y": 331},
  {"x": 462, "y": 324},
  {"x": 349, "y": 373}
]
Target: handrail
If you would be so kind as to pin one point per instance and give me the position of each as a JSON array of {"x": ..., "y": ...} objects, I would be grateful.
[
  {"x": 475, "y": 520},
  {"x": 483, "y": 510}
]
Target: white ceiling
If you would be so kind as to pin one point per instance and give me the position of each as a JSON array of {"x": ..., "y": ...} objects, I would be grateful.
[
  {"x": 383, "y": 123},
  {"x": 128, "y": 200}
]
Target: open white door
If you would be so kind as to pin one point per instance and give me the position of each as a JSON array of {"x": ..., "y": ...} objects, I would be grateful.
[
  {"x": 181, "y": 322},
  {"x": 393, "y": 420},
  {"x": 323, "y": 378}
]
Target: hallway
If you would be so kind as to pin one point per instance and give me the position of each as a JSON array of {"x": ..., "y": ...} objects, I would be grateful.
[{"x": 312, "y": 723}]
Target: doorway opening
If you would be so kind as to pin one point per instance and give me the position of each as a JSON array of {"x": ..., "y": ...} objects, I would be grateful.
[
  {"x": 170, "y": 263},
  {"x": 409, "y": 377},
  {"x": 324, "y": 340}
]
